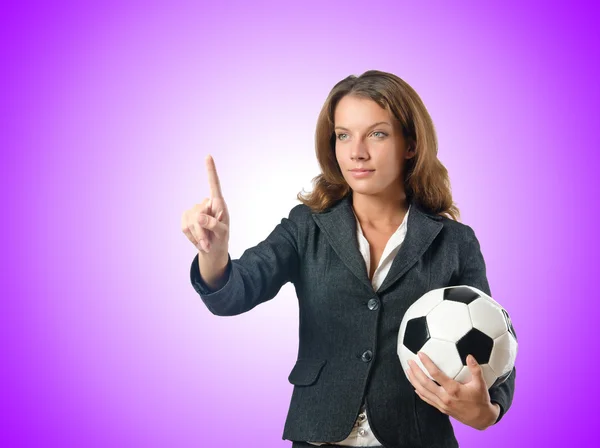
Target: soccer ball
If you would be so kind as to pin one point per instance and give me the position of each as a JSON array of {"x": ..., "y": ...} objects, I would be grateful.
[{"x": 447, "y": 324}]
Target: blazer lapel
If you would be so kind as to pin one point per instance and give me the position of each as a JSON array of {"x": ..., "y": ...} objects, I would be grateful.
[
  {"x": 339, "y": 224},
  {"x": 421, "y": 230}
]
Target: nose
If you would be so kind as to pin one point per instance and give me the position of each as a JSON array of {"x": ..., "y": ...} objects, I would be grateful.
[{"x": 358, "y": 151}]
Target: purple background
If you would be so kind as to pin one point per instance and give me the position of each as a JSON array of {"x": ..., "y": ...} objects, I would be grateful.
[{"x": 107, "y": 114}]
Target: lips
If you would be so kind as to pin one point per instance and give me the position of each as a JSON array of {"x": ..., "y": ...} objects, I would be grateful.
[
  {"x": 361, "y": 174},
  {"x": 360, "y": 170}
]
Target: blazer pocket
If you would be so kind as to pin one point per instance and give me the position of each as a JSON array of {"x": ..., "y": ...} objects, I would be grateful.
[{"x": 306, "y": 372}]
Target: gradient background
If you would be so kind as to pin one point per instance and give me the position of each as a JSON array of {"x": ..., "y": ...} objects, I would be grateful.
[{"x": 107, "y": 114}]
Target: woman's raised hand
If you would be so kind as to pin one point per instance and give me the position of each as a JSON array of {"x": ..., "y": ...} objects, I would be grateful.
[{"x": 206, "y": 224}]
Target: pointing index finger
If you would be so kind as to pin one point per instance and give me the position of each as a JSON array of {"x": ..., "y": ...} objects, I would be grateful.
[{"x": 213, "y": 178}]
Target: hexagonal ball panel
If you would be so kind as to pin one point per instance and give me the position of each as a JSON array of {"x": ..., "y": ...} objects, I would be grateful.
[
  {"x": 444, "y": 355},
  {"x": 449, "y": 321},
  {"x": 487, "y": 317},
  {"x": 424, "y": 304},
  {"x": 477, "y": 344},
  {"x": 460, "y": 294},
  {"x": 504, "y": 354}
]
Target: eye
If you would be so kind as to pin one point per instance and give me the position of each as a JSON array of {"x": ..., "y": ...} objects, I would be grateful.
[
  {"x": 339, "y": 135},
  {"x": 383, "y": 134}
]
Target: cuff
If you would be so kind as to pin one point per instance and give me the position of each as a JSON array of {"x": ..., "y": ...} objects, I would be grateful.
[
  {"x": 198, "y": 283},
  {"x": 502, "y": 410}
]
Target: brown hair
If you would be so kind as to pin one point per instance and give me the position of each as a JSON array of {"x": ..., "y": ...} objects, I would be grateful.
[{"x": 426, "y": 179}]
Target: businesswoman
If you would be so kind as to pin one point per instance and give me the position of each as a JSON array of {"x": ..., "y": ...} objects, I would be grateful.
[{"x": 378, "y": 231}]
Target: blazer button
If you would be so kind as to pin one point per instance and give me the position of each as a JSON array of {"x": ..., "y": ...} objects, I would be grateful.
[
  {"x": 367, "y": 356},
  {"x": 373, "y": 304}
]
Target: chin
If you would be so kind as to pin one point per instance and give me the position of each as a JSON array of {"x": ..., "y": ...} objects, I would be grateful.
[{"x": 363, "y": 189}]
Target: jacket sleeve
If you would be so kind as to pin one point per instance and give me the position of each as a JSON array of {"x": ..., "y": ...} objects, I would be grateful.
[
  {"x": 473, "y": 273},
  {"x": 258, "y": 275}
]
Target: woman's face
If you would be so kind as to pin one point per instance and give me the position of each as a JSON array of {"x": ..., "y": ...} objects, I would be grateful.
[{"x": 366, "y": 137}]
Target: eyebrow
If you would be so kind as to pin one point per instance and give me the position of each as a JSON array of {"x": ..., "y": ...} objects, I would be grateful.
[{"x": 372, "y": 126}]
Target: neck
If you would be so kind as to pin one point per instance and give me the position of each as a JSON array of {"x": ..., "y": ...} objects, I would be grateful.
[{"x": 379, "y": 212}]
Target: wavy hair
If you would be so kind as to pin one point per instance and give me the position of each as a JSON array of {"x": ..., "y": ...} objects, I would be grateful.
[{"x": 426, "y": 180}]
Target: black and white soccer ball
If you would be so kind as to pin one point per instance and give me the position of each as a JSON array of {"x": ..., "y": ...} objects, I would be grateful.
[{"x": 447, "y": 324}]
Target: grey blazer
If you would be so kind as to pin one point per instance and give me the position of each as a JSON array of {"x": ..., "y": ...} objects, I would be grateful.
[{"x": 348, "y": 332}]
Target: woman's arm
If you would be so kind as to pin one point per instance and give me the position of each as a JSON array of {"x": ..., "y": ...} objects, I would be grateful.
[
  {"x": 473, "y": 273},
  {"x": 258, "y": 275}
]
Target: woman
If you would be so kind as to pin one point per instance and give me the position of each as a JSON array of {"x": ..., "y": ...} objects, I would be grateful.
[{"x": 377, "y": 232}]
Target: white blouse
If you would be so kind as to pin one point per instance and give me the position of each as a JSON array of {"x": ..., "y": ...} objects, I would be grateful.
[{"x": 361, "y": 434}]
